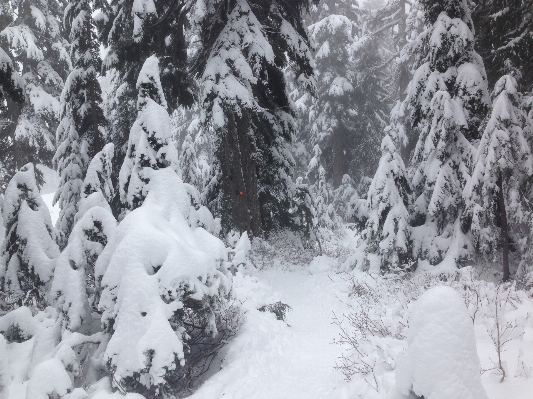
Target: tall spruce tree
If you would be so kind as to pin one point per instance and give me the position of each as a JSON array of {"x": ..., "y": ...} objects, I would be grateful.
[
  {"x": 34, "y": 34},
  {"x": 80, "y": 134},
  {"x": 503, "y": 165},
  {"x": 245, "y": 47},
  {"x": 446, "y": 102}
]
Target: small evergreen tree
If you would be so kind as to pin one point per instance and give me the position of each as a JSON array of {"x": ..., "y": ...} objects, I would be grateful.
[
  {"x": 133, "y": 31},
  {"x": 322, "y": 193},
  {"x": 80, "y": 134},
  {"x": 29, "y": 252},
  {"x": 387, "y": 231},
  {"x": 150, "y": 143},
  {"x": 502, "y": 166},
  {"x": 74, "y": 289},
  {"x": 190, "y": 170}
]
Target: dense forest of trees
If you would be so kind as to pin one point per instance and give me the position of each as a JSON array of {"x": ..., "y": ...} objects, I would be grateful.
[{"x": 172, "y": 121}]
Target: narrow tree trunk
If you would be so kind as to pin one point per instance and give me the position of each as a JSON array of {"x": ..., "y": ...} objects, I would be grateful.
[{"x": 505, "y": 229}]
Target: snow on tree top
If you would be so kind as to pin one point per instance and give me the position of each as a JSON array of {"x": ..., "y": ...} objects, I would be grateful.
[{"x": 149, "y": 83}]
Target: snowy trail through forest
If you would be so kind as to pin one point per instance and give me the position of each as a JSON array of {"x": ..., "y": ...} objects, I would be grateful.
[{"x": 271, "y": 360}]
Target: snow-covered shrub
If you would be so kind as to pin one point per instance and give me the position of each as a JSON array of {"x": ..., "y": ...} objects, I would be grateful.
[
  {"x": 164, "y": 287},
  {"x": 501, "y": 328},
  {"x": 18, "y": 325},
  {"x": 441, "y": 360},
  {"x": 29, "y": 252}
]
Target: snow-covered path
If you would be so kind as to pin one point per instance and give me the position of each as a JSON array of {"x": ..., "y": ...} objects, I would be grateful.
[{"x": 272, "y": 360}]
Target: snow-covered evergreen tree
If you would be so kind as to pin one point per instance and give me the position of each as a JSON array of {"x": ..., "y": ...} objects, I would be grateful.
[
  {"x": 387, "y": 232},
  {"x": 74, "y": 289},
  {"x": 502, "y": 166},
  {"x": 348, "y": 115},
  {"x": 80, "y": 134},
  {"x": 246, "y": 45},
  {"x": 150, "y": 144},
  {"x": 29, "y": 252},
  {"x": 446, "y": 102},
  {"x": 322, "y": 193},
  {"x": 98, "y": 187},
  {"x": 35, "y": 36},
  {"x": 11, "y": 98},
  {"x": 190, "y": 170}
]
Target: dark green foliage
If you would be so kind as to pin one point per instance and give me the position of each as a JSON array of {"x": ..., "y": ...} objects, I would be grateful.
[
  {"x": 504, "y": 33},
  {"x": 252, "y": 143}
]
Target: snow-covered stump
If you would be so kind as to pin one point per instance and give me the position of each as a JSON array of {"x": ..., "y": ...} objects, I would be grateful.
[{"x": 441, "y": 361}]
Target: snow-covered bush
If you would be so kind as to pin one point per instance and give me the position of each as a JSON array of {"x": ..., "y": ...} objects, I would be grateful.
[
  {"x": 164, "y": 285},
  {"x": 29, "y": 252},
  {"x": 501, "y": 328},
  {"x": 441, "y": 360}
]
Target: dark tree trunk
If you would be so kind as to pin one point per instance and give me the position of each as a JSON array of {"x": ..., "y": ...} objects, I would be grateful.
[
  {"x": 505, "y": 230},
  {"x": 240, "y": 197}
]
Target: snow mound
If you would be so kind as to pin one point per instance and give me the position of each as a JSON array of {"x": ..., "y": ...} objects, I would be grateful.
[
  {"x": 441, "y": 361},
  {"x": 321, "y": 264}
]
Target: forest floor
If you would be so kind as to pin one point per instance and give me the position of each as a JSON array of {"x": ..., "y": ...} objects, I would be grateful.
[{"x": 296, "y": 359}]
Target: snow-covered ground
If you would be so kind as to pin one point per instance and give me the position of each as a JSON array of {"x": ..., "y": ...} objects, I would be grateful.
[
  {"x": 275, "y": 360},
  {"x": 272, "y": 359}
]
